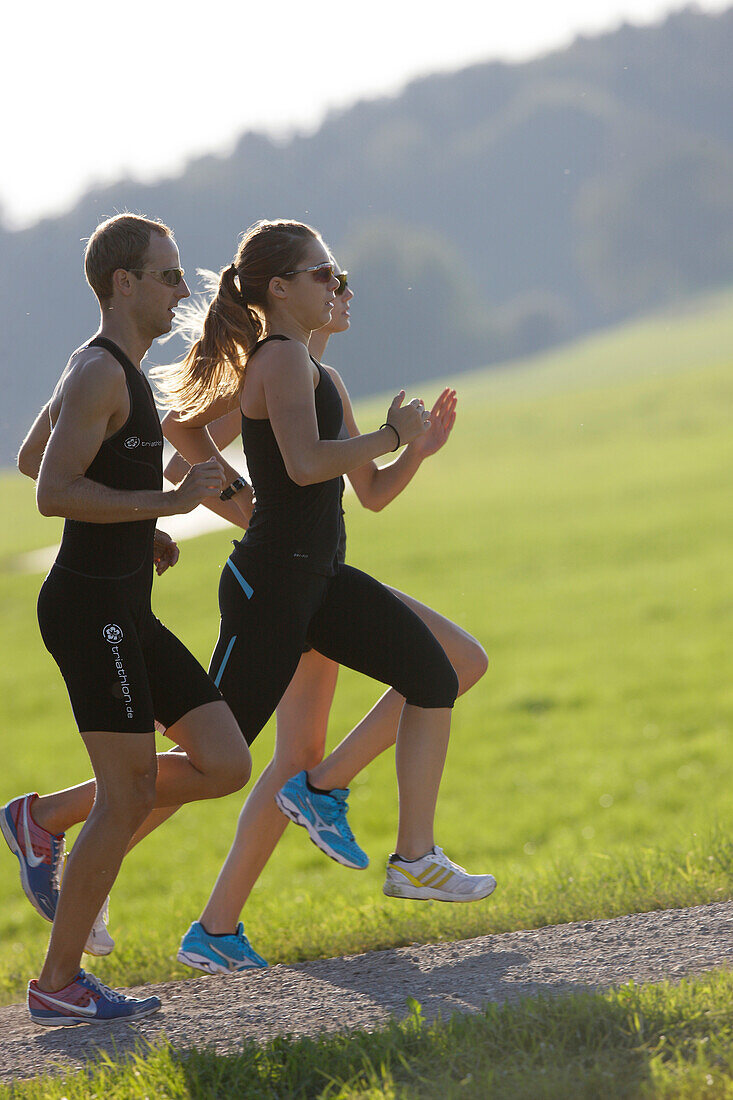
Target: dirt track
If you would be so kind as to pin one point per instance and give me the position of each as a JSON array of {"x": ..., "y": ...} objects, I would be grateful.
[{"x": 364, "y": 991}]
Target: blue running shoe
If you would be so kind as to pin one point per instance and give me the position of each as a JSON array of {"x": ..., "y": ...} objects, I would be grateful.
[
  {"x": 85, "y": 1001},
  {"x": 324, "y": 818},
  {"x": 40, "y": 854},
  {"x": 218, "y": 954}
]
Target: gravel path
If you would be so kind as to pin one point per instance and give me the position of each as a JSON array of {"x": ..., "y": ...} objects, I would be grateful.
[{"x": 364, "y": 991}]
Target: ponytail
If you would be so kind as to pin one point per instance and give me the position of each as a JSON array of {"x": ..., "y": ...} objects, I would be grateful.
[{"x": 215, "y": 363}]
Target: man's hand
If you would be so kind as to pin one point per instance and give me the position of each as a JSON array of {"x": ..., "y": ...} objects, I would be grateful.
[
  {"x": 165, "y": 551},
  {"x": 203, "y": 480}
]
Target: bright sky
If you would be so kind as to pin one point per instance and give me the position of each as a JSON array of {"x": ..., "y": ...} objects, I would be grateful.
[{"x": 91, "y": 91}]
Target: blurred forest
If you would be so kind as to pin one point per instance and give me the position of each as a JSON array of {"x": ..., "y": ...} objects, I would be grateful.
[{"x": 483, "y": 214}]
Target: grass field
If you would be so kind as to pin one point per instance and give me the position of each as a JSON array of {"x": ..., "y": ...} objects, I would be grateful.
[{"x": 579, "y": 524}]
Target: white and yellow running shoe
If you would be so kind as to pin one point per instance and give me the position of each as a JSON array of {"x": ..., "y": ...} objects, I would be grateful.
[
  {"x": 100, "y": 942},
  {"x": 434, "y": 877}
]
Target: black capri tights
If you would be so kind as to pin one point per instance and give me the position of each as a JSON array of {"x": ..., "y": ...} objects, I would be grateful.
[{"x": 269, "y": 611}]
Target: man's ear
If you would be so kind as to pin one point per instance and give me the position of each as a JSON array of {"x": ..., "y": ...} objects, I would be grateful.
[{"x": 122, "y": 282}]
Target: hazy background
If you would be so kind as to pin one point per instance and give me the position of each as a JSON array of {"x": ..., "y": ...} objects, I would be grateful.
[{"x": 486, "y": 211}]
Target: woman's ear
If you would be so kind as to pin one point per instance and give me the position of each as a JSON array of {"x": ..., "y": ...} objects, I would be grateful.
[{"x": 278, "y": 287}]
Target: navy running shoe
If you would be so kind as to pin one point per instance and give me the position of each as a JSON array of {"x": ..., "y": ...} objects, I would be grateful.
[
  {"x": 218, "y": 954},
  {"x": 85, "y": 1001},
  {"x": 323, "y": 816},
  {"x": 40, "y": 854}
]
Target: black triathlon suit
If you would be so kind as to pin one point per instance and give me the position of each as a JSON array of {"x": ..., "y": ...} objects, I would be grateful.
[
  {"x": 284, "y": 589},
  {"x": 122, "y": 667}
]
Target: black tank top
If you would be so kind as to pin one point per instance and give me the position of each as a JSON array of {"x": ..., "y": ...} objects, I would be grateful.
[
  {"x": 299, "y": 524},
  {"x": 131, "y": 459}
]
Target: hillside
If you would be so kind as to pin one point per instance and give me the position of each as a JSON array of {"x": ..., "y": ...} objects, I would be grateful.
[{"x": 483, "y": 214}]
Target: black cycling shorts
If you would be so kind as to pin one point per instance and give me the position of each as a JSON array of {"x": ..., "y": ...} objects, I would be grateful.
[
  {"x": 270, "y": 610},
  {"x": 122, "y": 667}
]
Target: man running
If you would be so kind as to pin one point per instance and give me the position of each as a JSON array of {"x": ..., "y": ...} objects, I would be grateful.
[{"x": 96, "y": 449}]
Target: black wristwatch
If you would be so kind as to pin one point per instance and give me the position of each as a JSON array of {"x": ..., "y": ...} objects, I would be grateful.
[{"x": 238, "y": 484}]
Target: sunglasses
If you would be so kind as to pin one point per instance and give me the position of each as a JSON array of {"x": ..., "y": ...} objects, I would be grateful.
[
  {"x": 343, "y": 278},
  {"x": 172, "y": 276},
  {"x": 322, "y": 273}
]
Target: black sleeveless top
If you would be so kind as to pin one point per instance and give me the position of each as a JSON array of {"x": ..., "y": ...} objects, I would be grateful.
[
  {"x": 130, "y": 459},
  {"x": 298, "y": 524}
]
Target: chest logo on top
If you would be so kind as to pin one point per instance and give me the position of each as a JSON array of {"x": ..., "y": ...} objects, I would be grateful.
[
  {"x": 134, "y": 441},
  {"x": 112, "y": 633}
]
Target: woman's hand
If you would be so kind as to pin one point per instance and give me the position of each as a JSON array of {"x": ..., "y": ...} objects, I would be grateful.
[
  {"x": 442, "y": 419},
  {"x": 409, "y": 420}
]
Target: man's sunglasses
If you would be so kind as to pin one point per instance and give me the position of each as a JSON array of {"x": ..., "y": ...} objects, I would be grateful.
[
  {"x": 323, "y": 273},
  {"x": 172, "y": 276}
]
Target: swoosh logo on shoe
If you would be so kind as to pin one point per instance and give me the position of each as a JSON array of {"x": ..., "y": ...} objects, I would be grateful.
[
  {"x": 227, "y": 958},
  {"x": 30, "y": 856},
  {"x": 82, "y": 1010}
]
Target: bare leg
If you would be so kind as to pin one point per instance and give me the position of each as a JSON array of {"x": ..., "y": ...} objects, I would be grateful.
[
  {"x": 125, "y": 768},
  {"x": 422, "y": 743},
  {"x": 214, "y": 761},
  {"x": 302, "y": 718},
  {"x": 377, "y": 731}
]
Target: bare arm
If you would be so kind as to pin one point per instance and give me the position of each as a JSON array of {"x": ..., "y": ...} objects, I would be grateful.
[
  {"x": 376, "y": 486},
  {"x": 92, "y": 395},
  {"x": 287, "y": 384},
  {"x": 237, "y": 510},
  {"x": 34, "y": 444}
]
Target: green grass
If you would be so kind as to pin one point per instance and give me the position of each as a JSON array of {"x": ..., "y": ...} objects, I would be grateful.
[
  {"x": 658, "y": 1041},
  {"x": 579, "y": 524}
]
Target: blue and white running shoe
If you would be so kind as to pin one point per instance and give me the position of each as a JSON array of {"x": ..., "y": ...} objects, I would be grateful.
[
  {"x": 40, "y": 854},
  {"x": 323, "y": 816},
  {"x": 218, "y": 954},
  {"x": 85, "y": 1001}
]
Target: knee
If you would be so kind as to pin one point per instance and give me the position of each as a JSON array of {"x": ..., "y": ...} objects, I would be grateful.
[
  {"x": 132, "y": 799},
  {"x": 233, "y": 772},
  {"x": 240, "y": 769},
  {"x": 471, "y": 666}
]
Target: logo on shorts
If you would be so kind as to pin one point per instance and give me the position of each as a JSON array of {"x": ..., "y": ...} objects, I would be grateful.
[
  {"x": 132, "y": 442},
  {"x": 112, "y": 633}
]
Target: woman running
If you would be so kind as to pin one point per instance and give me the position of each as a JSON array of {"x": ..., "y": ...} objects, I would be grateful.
[
  {"x": 316, "y": 795},
  {"x": 283, "y": 587}
]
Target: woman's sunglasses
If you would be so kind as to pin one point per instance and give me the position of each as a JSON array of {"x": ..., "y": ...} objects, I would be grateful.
[
  {"x": 323, "y": 273},
  {"x": 343, "y": 278},
  {"x": 172, "y": 276}
]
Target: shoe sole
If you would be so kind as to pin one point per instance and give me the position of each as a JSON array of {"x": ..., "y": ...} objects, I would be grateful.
[
  {"x": 200, "y": 962},
  {"x": 98, "y": 952},
  {"x": 69, "y": 1021},
  {"x": 425, "y": 893},
  {"x": 12, "y": 843},
  {"x": 293, "y": 814}
]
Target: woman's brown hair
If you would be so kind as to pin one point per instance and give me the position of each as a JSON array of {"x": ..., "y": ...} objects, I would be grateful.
[{"x": 235, "y": 319}]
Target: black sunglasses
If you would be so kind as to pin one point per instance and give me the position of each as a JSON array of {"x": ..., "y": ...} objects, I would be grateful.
[
  {"x": 343, "y": 278},
  {"x": 172, "y": 276}
]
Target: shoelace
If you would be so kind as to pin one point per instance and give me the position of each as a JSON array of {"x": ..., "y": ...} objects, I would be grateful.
[
  {"x": 441, "y": 858},
  {"x": 58, "y": 859},
  {"x": 345, "y": 828},
  {"x": 105, "y": 991}
]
